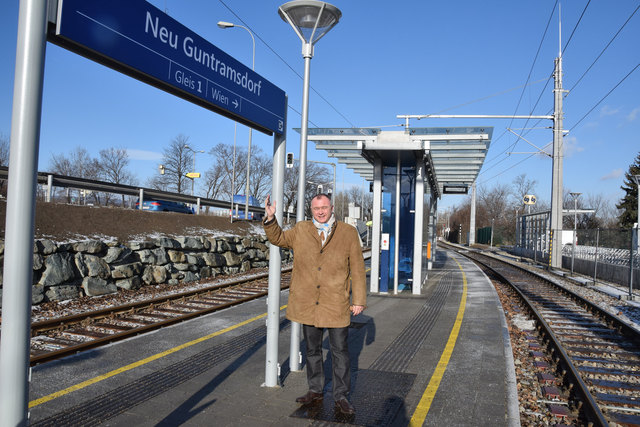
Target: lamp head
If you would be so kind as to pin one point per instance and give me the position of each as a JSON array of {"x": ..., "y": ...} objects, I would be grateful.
[
  {"x": 311, "y": 19},
  {"x": 223, "y": 24}
]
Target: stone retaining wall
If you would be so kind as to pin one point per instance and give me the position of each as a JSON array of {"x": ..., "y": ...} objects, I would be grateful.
[{"x": 70, "y": 270}]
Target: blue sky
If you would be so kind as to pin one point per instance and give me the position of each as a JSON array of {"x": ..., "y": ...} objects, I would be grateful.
[{"x": 381, "y": 60}]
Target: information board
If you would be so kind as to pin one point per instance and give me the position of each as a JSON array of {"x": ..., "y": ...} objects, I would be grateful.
[{"x": 138, "y": 39}]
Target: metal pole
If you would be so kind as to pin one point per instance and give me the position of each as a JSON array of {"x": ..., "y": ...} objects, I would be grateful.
[
  {"x": 233, "y": 173},
  {"x": 556, "y": 186},
  {"x": 374, "y": 284},
  {"x": 307, "y": 52},
  {"x": 631, "y": 250},
  {"x": 49, "y": 187},
  {"x": 575, "y": 226},
  {"x": 595, "y": 264},
  {"x": 396, "y": 246},
  {"x": 20, "y": 215},
  {"x": 273, "y": 296},
  {"x": 333, "y": 197},
  {"x": 517, "y": 235},
  {"x": 492, "y": 219},
  {"x": 472, "y": 219},
  {"x": 253, "y": 67},
  {"x": 140, "y": 198}
]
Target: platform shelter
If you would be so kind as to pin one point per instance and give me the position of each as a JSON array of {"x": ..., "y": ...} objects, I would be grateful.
[{"x": 409, "y": 170}]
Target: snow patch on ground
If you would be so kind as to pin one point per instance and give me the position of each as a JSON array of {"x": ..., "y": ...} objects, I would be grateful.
[{"x": 523, "y": 323}]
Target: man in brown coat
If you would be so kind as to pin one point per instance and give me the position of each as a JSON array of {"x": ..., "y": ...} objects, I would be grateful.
[{"x": 327, "y": 267}]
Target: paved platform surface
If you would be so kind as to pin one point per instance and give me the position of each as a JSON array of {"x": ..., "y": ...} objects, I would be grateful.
[{"x": 438, "y": 359}]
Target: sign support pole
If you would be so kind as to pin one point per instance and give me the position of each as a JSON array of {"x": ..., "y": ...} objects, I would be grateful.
[
  {"x": 18, "y": 259},
  {"x": 275, "y": 265}
]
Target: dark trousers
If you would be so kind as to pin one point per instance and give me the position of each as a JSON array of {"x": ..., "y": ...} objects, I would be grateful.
[{"x": 339, "y": 360}]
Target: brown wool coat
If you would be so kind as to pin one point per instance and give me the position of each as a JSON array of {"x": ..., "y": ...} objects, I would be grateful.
[{"x": 320, "y": 285}]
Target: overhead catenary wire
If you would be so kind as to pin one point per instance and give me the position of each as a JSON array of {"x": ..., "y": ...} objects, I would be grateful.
[
  {"x": 604, "y": 97},
  {"x": 575, "y": 27},
  {"x": 543, "y": 90},
  {"x": 287, "y": 64},
  {"x": 603, "y": 50}
]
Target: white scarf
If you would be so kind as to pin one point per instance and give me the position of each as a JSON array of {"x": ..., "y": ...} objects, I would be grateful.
[{"x": 324, "y": 228}]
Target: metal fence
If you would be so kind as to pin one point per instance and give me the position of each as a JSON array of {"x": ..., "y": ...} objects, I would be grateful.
[
  {"x": 611, "y": 246},
  {"x": 50, "y": 181}
]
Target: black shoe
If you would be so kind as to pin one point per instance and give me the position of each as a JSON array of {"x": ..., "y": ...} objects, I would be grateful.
[
  {"x": 344, "y": 407},
  {"x": 311, "y": 396}
]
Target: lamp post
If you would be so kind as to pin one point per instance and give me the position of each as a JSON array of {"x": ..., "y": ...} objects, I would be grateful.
[
  {"x": 233, "y": 170},
  {"x": 193, "y": 180},
  {"x": 224, "y": 25},
  {"x": 311, "y": 20},
  {"x": 491, "y": 245},
  {"x": 575, "y": 226},
  {"x": 517, "y": 235}
]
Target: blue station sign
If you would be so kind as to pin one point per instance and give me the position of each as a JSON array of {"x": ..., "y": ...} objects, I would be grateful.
[{"x": 138, "y": 39}]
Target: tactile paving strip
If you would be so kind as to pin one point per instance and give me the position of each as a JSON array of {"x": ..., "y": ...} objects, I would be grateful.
[
  {"x": 377, "y": 396},
  {"x": 379, "y": 392},
  {"x": 400, "y": 352},
  {"x": 127, "y": 396}
]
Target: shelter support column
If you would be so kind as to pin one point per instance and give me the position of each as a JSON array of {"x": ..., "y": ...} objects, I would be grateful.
[
  {"x": 418, "y": 234},
  {"x": 472, "y": 220},
  {"x": 396, "y": 247},
  {"x": 374, "y": 277},
  {"x": 433, "y": 212}
]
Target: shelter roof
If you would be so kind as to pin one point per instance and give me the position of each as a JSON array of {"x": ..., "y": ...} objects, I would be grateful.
[{"x": 453, "y": 155}]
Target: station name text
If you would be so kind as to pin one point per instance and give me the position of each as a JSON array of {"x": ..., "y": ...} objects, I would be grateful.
[{"x": 194, "y": 52}]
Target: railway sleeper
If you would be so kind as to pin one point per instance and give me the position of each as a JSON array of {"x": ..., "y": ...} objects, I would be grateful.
[
  {"x": 616, "y": 361},
  {"x": 618, "y": 399},
  {"x": 615, "y": 385},
  {"x": 609, "y": 371}
]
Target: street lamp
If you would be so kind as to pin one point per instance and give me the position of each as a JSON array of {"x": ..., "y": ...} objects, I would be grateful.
[
  {"x": 311, "y": 20},
  {"x": 224, "y": 25},
  {"x": 193, "y": 179},
  {"x": 575, "y": 226}
]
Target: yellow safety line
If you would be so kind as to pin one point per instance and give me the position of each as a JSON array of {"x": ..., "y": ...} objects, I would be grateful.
[
  {"x": 133, "y": 365},
  {"x": 419, "y": 415}
]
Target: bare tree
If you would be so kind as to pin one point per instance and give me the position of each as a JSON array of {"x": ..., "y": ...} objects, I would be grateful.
[
  {"x": 177, "y": 161},
  {"x": 158, "y": 182},
  {"x": 261, "y": 170},
  {"x": 114, "y": 164},
  {"x": 4, "y": 160},
  {"x": 4, "y": 150},
  {"x": 79, "y": 164},
  {"x": 521, "y": 187},
  {"x": 219, "y": 176}
]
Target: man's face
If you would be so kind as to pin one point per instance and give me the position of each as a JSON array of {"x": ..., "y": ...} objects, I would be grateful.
[{"x": 321, "y": 209}]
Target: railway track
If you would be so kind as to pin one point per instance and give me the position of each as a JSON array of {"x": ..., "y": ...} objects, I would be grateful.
[
  {"x": 595, "y": 356},
  {"x": 59, "y": 337}
]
